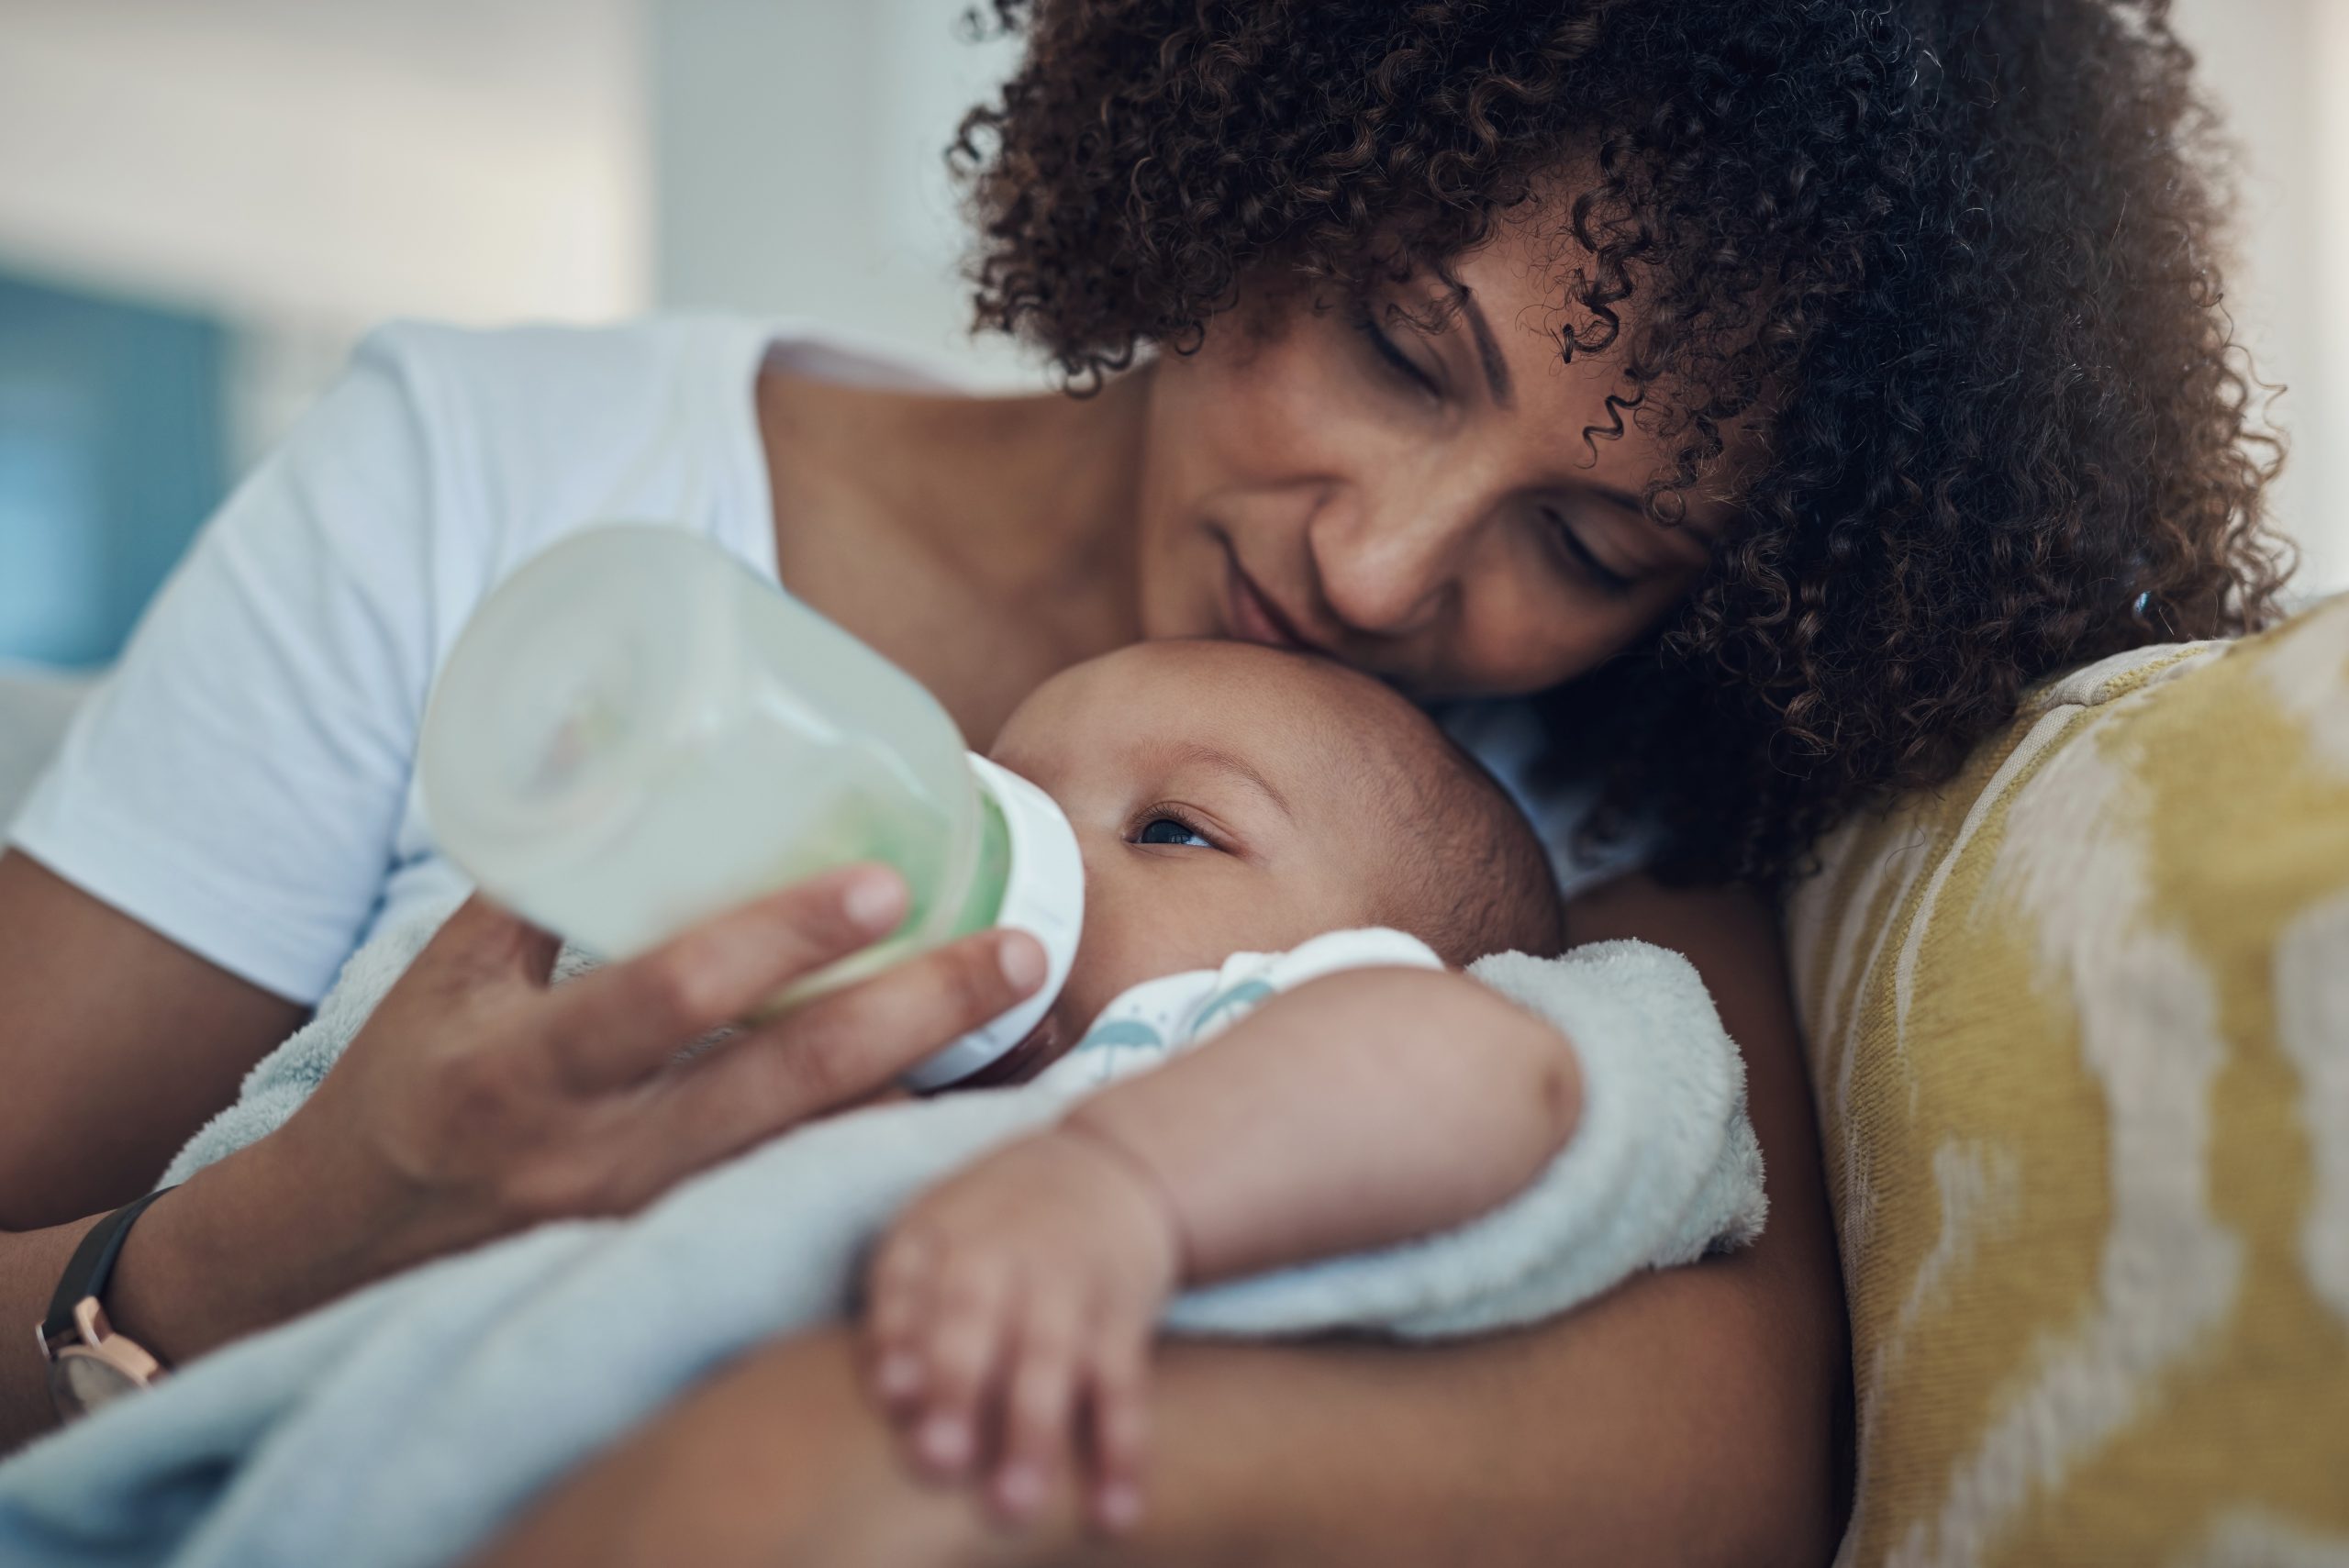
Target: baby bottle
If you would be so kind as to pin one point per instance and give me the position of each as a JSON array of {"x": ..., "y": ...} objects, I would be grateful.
[{"x": 635, "y": 730}]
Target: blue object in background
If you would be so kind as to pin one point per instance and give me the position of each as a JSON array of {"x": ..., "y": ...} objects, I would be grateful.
[{"x": 112, "y": 453}]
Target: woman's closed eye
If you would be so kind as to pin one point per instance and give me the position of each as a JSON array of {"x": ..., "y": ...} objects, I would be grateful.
[
  {"x": 1565, "y": 538},
  {"x": 1390, "y": 357}
]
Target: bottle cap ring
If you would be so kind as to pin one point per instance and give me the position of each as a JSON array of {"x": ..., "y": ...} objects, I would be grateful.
[{"x": 1044, "y": 894}]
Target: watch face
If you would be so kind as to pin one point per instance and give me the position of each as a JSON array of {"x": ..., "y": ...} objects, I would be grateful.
[{"x": 81, "y": 1380}]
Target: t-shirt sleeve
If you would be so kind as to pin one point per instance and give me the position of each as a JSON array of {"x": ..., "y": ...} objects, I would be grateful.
[{"x": 236, "y": 783}]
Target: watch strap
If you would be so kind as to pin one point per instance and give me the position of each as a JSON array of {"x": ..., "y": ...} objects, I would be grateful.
[{"x": 91, "y": 1266}]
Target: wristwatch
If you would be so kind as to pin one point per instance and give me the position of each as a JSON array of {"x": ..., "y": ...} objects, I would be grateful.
[{"x": 89, "y": 1363}]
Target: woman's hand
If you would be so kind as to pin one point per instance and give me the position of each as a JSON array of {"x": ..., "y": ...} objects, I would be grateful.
[
  {"x": 1008, "y": 1317},
  {"x": 478, "y": 1099}
]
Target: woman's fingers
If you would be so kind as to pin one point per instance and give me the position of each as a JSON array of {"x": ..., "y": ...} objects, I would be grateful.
[
  {"x": 838, "y": 1047},
  {"x": 896, "y": 1018},
  {"x": 624, "y": 1022}
]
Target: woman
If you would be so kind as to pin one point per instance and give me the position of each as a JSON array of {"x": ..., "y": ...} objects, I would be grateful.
[{"x": 1767, "y": 390}]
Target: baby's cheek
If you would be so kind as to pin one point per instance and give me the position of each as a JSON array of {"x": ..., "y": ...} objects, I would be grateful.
[
  {"x": 1108, "y": 962},
  {"x": 1141, "y": 922}
]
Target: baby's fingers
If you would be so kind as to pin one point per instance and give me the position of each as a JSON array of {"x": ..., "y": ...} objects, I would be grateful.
[
  {"x": 897, "y": 1292},
  {"x": 1039, "y": 1404},
  {"x": 1117, "y": 1416},
  {"x": 962, "y": 1344}
]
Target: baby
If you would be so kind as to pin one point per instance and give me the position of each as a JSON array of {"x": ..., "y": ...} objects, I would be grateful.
[{"x": 1227, "y": 799}]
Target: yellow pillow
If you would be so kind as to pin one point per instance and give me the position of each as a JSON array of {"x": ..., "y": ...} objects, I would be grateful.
[{"x": 2078, "y": 1029}]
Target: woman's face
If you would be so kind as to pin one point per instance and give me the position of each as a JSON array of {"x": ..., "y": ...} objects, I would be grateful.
[{"x": 1409, "y": 489}]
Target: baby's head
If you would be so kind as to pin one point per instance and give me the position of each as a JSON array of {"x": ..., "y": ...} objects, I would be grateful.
[{"x": 1231, "y": 797}]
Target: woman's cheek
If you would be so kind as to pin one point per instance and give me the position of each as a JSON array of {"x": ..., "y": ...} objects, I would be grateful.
[
  {"x": 1534, "y": 629},
  {"x": 1521, "y": 643}
]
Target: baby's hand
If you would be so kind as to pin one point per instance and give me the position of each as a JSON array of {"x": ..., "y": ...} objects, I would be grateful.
[{"x": 1009, "y": 1311}]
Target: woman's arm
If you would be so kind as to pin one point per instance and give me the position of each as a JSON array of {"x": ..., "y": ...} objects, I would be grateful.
[
  {"x": 1684, "y": 1418},
  {"x": 115, "y": 1044}
]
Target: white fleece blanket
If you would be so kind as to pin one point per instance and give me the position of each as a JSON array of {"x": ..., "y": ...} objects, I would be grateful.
[{"x": 398, "y": 1427}]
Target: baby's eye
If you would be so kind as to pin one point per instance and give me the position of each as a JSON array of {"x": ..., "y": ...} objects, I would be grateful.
[{"x": 1170, "y": 830}]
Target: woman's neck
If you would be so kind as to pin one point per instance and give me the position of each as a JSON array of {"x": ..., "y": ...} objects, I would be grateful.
[{"x": 942, "y": 527}]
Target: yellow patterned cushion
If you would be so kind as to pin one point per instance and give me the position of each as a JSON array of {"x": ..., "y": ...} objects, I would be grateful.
[{"x": 2079, "y": 1036}]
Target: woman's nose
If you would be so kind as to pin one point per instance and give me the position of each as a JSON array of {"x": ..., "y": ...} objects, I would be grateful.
[{"x": 1384, "y": 569}]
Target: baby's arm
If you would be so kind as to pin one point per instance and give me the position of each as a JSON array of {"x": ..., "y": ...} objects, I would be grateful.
[
  {"x": 1358, "y": 1110},
  {"x": 1361, "y": 1110}
]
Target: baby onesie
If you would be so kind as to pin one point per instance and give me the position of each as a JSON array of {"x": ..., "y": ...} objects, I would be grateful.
[{"x": 1158, "y": 1019}]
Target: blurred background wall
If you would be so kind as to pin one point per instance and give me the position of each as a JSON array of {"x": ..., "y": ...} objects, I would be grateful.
[{"x": 203, "y": 202}]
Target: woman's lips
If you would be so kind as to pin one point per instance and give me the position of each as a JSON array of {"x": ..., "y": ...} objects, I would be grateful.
[{"x": 1254, "y": 616}]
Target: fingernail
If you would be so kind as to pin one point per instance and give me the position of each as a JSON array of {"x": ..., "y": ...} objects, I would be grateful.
[
  {"x": 1022, "y": 957},
  {"x": 900, "y": 1375},
  {"x": 874, "y": 901},
  {"x": 945, "y": 1442},
  {"x": 1119, "y": 1506}
]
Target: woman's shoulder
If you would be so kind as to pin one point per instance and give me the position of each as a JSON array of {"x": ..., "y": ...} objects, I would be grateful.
[
  {"x": 545, "y": 354},
  {"x": 511, "y": 391},
  {"x": 520, "y": 434}
]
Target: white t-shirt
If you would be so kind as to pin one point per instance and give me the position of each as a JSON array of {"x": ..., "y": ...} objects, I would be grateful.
[{"x": 243, "y": 782}]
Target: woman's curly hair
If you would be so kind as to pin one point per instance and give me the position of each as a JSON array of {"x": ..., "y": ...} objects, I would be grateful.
[{"x": 1953, "y": 260}]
